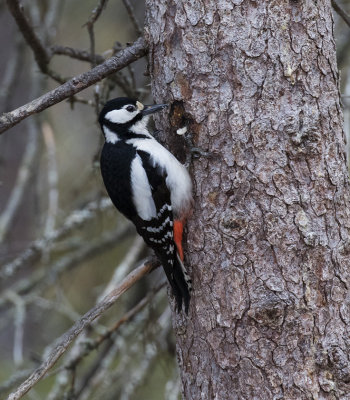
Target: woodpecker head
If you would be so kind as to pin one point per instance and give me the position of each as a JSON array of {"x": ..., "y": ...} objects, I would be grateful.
[{"x": 123, "y": 117}]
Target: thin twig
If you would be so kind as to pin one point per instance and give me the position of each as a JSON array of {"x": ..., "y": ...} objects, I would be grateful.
[
  {"x": 125, "y": 265},
  {"x": 341, "y": 12},
  {"x": 93, "y": 345},
  {"x": 96, "y": 12},
  {"x": 127, "y": 346},
  {"x": 40, "y": 279},
  {"x": 77, "y": 54},
  {"x": 121, "y": 80},
  {"x": 75, "y": 85},
  {"x": 67, "y": 338},
  {"x": 23, "y": 177},
  {"x": 10, "y": 76},
  {"x": 100, "y": 368},
  {"x": 132, "y": 17},
  {"x": 129, "y": 315},
  {"x": 75, "y": 220},
  {"x": 41, "y": 54},
  {"x": 90, "y": 27},
  {"x": 25, "y": 170},
  {"x": 62, "y": 307},
  {"x": 83, "y": 55},
  {"x": 152, "y": 348},
  {"x": 46, "y": 31},
  {"x": 132, "y": 377},
  {"x": 19, "y": 320},
  {"x": 79, "y": 349},
  {"x": 132, "y": 76},
  {"x": 52, "y": 178},
  {"x": 110, "y": 341}
]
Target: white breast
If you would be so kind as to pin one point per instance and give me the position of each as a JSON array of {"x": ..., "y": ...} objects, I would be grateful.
[{"x": 178, "y": 180}]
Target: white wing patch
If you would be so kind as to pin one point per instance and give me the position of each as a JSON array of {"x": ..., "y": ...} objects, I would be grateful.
[
  {"x": 178, "y": 180},
  {"x": 141, "y": 191}
]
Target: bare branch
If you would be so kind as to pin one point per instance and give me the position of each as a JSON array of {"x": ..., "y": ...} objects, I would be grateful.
[
  {"x": 92, "y": 345},
  {"x": 96, "y": 12},
  {"x": 341, "y": 12},
  {"x": 67, "y": 338},
  {"x": 41, "y": 54},
  {"x": 77, "y": 54},
  {"x": 75, "y": 85}
]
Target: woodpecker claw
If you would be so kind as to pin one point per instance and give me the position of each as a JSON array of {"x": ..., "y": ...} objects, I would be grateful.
[{"x": 194, "y": 152}]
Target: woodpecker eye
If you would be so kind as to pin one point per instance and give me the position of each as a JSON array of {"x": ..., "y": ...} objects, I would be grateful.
[{"x": 130, "y": 108}]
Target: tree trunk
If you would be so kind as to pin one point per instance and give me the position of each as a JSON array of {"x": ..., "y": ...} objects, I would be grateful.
[{"x": 268, "y": 244}]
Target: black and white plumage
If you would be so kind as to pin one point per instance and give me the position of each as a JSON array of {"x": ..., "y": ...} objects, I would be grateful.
[{"x": 148, "y": 185}]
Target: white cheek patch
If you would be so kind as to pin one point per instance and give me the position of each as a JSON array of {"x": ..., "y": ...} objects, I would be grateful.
[{"x": 120, "y": 116}]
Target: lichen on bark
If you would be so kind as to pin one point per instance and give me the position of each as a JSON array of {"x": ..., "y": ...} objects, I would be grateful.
[{"x": 268, "y": 244}]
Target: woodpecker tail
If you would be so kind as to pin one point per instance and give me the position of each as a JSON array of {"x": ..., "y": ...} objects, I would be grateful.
[
  {"x": 164, "y": 236},
  {"x": 178, "y": 278}
]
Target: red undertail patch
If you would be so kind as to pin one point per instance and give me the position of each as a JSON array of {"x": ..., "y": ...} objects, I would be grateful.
[{"x": 178, "y": 230}]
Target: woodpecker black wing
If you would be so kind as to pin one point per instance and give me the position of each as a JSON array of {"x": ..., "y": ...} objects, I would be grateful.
[
  {"x": 158, "y": 231},
  {"x": 116, "y": 161}
]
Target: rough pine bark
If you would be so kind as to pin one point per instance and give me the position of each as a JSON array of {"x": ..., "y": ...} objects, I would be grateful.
[{"x": 268, "y": 244}]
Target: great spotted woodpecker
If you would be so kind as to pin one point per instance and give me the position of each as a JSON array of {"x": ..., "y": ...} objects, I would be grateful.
[{"x": 148, "y": 185}]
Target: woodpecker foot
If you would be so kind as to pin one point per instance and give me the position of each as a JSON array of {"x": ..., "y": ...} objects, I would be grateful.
[{"x": 193, "y": 151}]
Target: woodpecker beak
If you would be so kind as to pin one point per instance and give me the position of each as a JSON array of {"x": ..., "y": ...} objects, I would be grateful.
[{"x": 153, "y": 109}]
